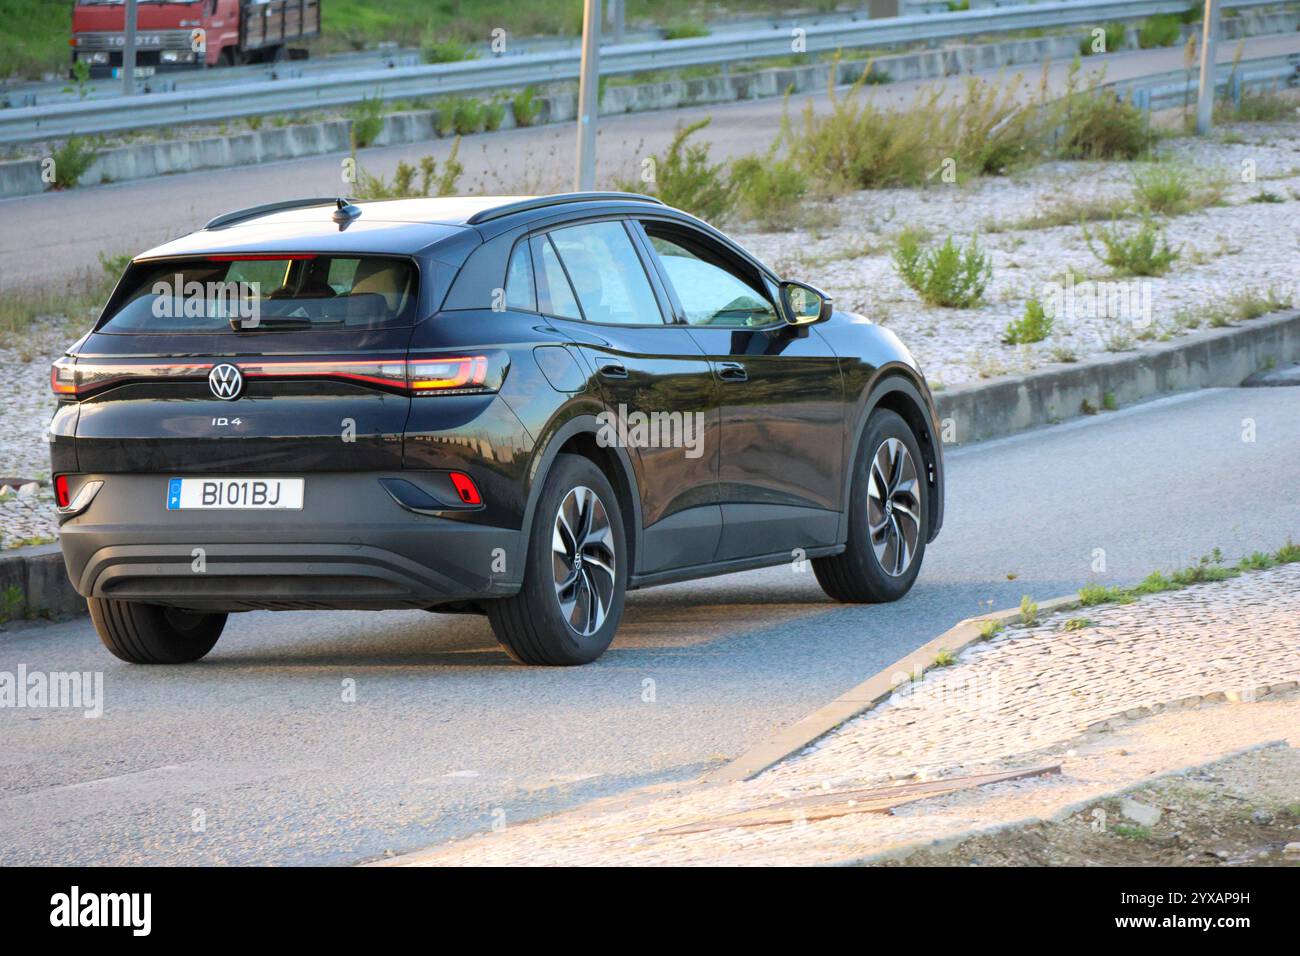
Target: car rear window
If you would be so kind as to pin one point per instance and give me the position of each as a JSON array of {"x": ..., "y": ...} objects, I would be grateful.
[{"x": 268, "y": 293}]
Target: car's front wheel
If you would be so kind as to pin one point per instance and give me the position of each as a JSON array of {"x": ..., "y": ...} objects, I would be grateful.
[
  {"x": 888, "y": 518},
  {"x": 575, "y": 573},
  {"x": 151, "y": 634}
]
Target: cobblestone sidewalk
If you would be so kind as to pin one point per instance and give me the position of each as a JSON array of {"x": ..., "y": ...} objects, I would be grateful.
[{"x": 1175, "y": 680}]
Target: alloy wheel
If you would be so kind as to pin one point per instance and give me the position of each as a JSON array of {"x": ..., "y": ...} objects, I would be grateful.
[
  {"x": 583, "y": 560},
  {"x": 893, "y": 507}
]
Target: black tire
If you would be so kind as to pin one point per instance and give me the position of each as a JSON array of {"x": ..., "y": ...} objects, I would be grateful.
[
  {"x": 151, "y": 634},
  {"x": 530, "y": 625},
  {"x": 858, "y": 575}
]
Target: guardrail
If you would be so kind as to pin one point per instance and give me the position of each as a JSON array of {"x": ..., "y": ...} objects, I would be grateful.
[
  {"x": 218, "y": 103},
  {"x": 1176, "y": 87}
]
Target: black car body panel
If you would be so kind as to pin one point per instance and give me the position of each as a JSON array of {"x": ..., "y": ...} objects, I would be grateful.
[{"x": 781, "y": 406}]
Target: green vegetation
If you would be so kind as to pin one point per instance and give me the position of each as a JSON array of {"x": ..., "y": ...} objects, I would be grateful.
[
  {"x": 1093, "y": 594},
  {"x": 949, "y": 276},
  {"x": 1162, "y": 30},
  {"x": 1167, "y": 189},
  {"x": 1130, "y": 832},
  {"x": 1264, "y": 107},
  {"x": 1109, "y": 402},
  {"x": 989, "y": 630},
  {"x": 1208, "y": 568},
  {"x": 1145, "y": 252},
  {"x": 945, "y": 658},
  {"x": 467, "y": 115},
  {"x": 71, "y": 303},
  {"x": 445, "y": 51},
  {"x": 685, "y": 30},
  {"x": 403, "y": 185},
  {"x": 1242, "y": 306},
  {"x": 1099, "y": 125},
  {"x": 1076, "y": 624},
  {"x": 685, "y": 178},
  {"x": 768, "y": 190},
  {"x": 1034, "y": 326},
  {"x": 71, "y": 160},
  {"x": 11, "y": 603},
  {"x": 526, "y": 107},
  {"x": 1028, "y": 611},
  {"x": 367, "y": 121},
  {"x": 1114, "y": 34}
]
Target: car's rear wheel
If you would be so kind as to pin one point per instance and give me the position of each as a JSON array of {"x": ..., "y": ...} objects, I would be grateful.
[
  {"x": 151, "y": 634},
  {"x": 575, "y": 573},
  {"x": 888, "y": 518}
]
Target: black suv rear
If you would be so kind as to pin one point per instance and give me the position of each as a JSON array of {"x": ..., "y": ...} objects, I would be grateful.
[{"x": 424, "y": 404}]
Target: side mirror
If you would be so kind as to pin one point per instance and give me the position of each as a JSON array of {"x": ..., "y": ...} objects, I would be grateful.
[{"x": 803, "y": 304}]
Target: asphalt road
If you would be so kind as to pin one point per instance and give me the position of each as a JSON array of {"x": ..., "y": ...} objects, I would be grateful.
[
  {"x": 49, "y": 237},
  {"x": 446, "y": 736}
]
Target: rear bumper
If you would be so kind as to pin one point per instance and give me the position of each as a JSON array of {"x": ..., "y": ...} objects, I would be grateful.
[{"x": 350, "y": 547}]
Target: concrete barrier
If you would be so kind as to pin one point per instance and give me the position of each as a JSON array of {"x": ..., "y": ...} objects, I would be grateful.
[
  {"x": 1206, "y": 359},
  {"x": 38, "y": 578}
]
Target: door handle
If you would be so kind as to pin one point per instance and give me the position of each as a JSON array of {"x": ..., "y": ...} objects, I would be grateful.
[
  {"x": 732, "y": 372},
  {"x": 613, "y": 370}
]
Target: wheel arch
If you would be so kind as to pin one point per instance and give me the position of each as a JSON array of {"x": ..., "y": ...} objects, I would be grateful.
[
  {"x": 578, "y": 435},
  {"x": 897, "y": 390}
]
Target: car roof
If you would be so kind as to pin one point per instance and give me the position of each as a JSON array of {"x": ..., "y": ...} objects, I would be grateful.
[{"x": 394, "y": 226}]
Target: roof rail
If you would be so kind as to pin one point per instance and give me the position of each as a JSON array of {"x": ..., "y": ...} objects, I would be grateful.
[
  {"x": 254, "y": 211},
  {"x": 541, "y": 202}
]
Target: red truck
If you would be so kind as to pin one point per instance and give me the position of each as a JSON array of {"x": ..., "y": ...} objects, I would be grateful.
[{"x": 179, "y": 35}]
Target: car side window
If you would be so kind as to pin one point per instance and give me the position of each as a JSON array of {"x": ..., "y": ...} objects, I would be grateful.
[
  {"x": 610, "y": 281},
  {"x": 556, "y": 293},
  {"x": 710, "y": 293},
  {"x": 520, "y": 291}
]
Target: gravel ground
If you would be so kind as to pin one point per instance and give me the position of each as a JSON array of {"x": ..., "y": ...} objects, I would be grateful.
[
  {"x": 1225, "y": 250},
  {"x": 1240, "y": 245}
]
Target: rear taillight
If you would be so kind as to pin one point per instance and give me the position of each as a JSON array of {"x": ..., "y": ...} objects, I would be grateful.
[
  {"x": 63, "y": 376},
  {"x": 61, "y": 494},
  {"x": 461, "y": 372},
  {"x": 466, "y": 488}
]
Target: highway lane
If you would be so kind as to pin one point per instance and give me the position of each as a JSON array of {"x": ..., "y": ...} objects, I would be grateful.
[
  {"x": 48, "y": 237},
  {"x": 446, "y": 736}
]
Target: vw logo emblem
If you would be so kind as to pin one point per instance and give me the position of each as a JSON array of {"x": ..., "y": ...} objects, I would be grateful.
[{"x": 226, "y": 382}]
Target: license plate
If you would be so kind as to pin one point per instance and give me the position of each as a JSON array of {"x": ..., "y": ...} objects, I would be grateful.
[
  {"x": 234, "y": 494},
  {"x": 141, "y": 72}
]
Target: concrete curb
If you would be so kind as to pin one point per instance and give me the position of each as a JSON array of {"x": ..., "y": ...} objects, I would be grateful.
[
  {"x": 1223, "y": 357},
  {"x": 37, "y": 574},
  {"x": 23, "y": 177},
  {"x": 872, "y": 691}
]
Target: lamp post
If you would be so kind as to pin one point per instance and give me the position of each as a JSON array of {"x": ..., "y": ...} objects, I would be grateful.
[
  {"x": 588, "y": 97},
  {"x": 1205, "y": 95},
  {"x": 128, "y": 51}
]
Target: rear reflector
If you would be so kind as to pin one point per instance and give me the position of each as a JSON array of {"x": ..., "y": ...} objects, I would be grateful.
[
  {"x": 466, "y": 488},
  {"x": 61, "y": 491}
]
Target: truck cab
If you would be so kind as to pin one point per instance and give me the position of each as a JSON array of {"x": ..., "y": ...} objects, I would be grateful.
[{"x": 175, "y": 35}]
